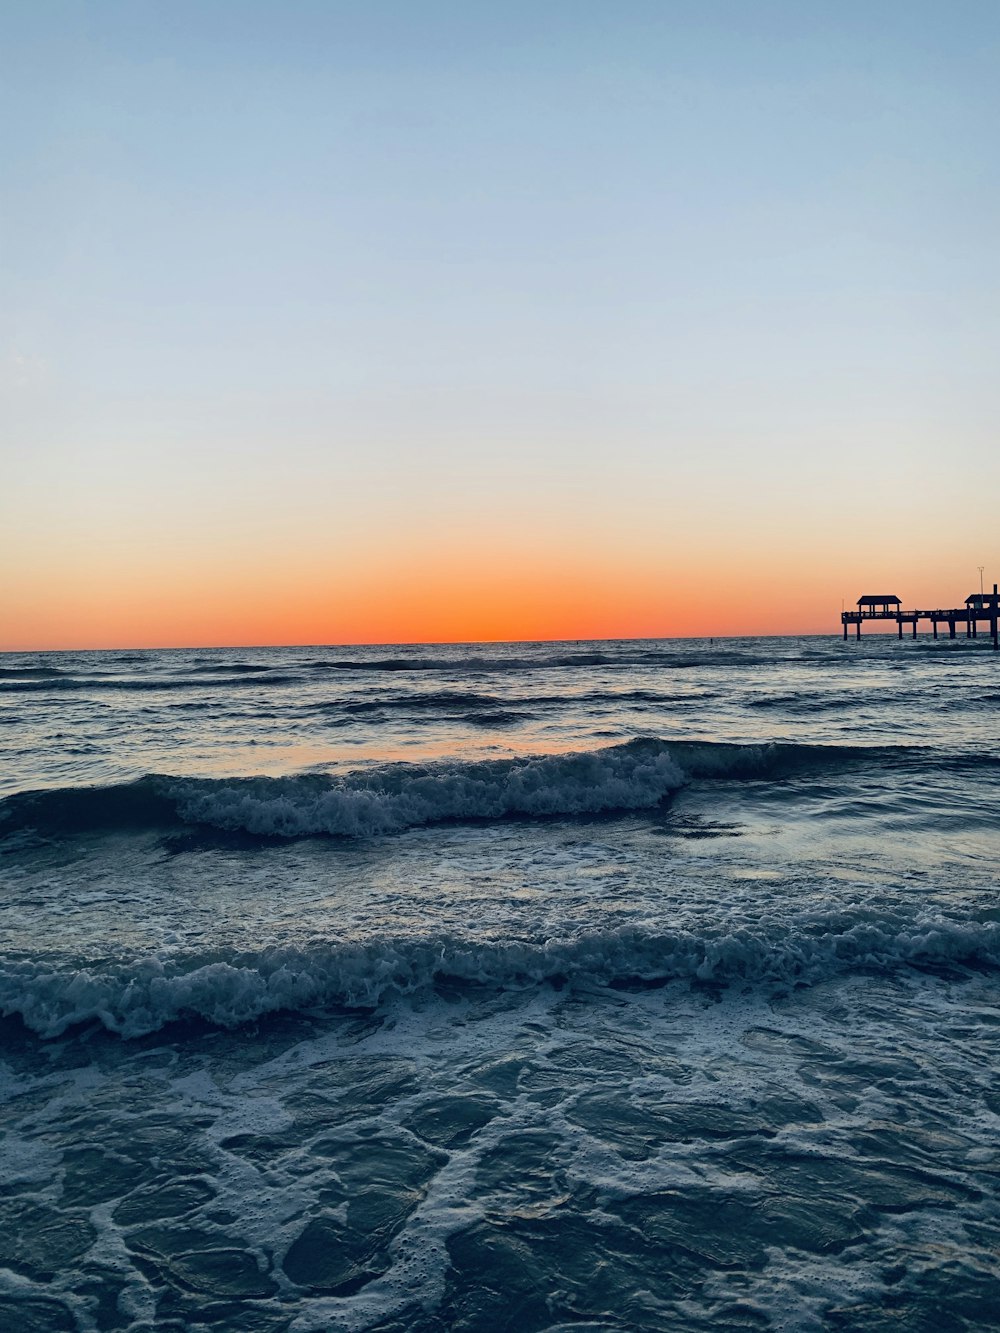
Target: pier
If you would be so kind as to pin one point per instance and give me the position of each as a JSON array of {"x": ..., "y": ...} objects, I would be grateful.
[{"x": 980, "y": 608}]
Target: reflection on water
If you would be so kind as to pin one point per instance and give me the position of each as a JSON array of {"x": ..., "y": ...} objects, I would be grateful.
[{"x": 435, "y": 989}]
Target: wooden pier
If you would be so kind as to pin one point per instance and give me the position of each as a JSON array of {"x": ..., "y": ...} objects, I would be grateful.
[{"x": 980, "y": 608}]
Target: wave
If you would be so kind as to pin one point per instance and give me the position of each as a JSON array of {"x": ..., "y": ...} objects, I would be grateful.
[
  {"x": 486, "y": 709},
  {"x": 465, "y": 665},
  {"x": 802, "y": 703},
  {"x": 222, "y": 668},
  {"x": 476, "y": 710},
  {"x": 30, "y": 673},
  {"x": 400, "y": 664},
  {"x": 638, "y": 775},
  {"x": 664, "y": 658},
  {"x": 500, "y": 717},
  {"x": 145, "y": 683},
  {"x": 450, "y": 700},
  {"x": 139, "y": 996}
]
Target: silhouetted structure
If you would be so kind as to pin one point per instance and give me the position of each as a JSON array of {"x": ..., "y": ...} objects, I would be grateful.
[
  {"x": 979, "y": 606},
  {"x": 880, "y": 603}
]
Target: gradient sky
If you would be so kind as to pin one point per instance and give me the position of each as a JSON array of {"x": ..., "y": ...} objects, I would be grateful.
[{"x": 396, "y": 320}]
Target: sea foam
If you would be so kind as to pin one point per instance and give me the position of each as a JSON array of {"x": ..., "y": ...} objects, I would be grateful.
[
  {"x": 387, "y": 799},
  {"x": 137, "y": 996},
  {"x": 405, "y": 797}
]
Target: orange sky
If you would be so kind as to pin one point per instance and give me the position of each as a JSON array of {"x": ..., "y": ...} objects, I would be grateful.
[
  {"x": 171, "y": 544},
  {"x": 456, "y": 593}
]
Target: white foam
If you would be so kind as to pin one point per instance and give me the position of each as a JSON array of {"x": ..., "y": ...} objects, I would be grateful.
[
  {"x": 141, "y": 996},
  {"x": 618, "y": 778}
]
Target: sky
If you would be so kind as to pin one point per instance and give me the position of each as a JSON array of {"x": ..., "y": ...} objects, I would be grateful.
[{"x": 424, "y": 320}]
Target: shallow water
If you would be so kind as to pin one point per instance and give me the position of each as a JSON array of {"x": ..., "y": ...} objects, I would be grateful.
[{"x": 613, "y": 986}]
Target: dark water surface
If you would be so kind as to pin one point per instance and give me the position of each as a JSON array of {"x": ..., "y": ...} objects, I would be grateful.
[{"x": 532, "y": 987}]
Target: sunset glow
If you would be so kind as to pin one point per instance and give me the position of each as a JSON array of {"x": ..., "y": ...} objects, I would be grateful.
[{"x": 423, "y": 323}]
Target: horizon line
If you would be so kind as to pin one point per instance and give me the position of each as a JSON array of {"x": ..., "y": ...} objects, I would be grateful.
[{"x": 424, "y": 643}]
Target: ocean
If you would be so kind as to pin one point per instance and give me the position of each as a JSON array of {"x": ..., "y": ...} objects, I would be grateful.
[{"x": 561, "y": 986}]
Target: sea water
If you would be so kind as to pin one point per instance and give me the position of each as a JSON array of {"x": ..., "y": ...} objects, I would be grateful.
[{"x": 604, "y": 986}]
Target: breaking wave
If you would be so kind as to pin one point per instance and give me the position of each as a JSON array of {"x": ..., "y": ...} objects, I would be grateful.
[
  {"x": 638, "y": 775},
  {"x": 145, "y": 994}
]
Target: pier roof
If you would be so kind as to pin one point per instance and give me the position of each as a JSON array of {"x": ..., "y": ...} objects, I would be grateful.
[{"x": 879, "y": 599}]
